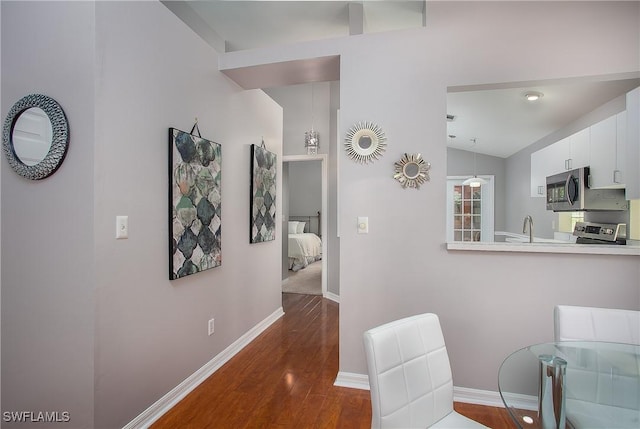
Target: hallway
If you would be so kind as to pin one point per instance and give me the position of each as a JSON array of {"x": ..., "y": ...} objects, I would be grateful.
[{"x": 283, "y": 379}]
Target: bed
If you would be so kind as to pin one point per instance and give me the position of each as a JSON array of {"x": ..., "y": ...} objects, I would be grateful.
[{"x": 305, "y": 244}]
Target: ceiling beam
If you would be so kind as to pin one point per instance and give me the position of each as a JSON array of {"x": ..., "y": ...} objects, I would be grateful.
[
  {"x": 424, "y": 13},
  {"x": 356, "y": 18}
]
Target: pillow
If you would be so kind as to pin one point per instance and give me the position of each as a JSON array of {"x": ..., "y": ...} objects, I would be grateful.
[
  {"x": 300, "y": 227},
  {"x": 293, "y": 227}
]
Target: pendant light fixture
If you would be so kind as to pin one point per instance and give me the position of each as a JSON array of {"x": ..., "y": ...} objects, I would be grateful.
[
  {"x": 475, "y": 181},
  {"x": 311, "y": 137}
]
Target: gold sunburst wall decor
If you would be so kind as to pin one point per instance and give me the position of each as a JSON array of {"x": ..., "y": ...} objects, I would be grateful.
[
  {"x": 365, "y": 142},
  {"x": 411, "y": 171}
]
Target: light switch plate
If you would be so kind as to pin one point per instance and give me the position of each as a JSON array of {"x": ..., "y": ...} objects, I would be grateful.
[
  {"x": 122, "y": 227},
  {"x": 363, "y": 225}
]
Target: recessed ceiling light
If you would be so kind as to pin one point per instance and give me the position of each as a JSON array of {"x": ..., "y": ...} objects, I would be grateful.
[{"x": 533, "y": 95}]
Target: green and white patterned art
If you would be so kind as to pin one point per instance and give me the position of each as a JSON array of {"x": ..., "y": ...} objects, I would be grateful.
[
  {"x": 263, "y": 195},
  {"x": 194, "y": 204}
]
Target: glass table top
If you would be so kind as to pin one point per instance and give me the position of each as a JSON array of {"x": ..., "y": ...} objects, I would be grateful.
[{"x": 601, "y": 384}]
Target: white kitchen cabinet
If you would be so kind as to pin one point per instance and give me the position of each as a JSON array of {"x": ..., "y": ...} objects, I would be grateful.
[
  {"x": 538, "y": 174},
  {"x": 579, "y": 154},
  {"x": 548, "y": 161},
  {"x": 558, "y": 156},
  {"x": 567, "y": 154},
  {"x": 610, "y": 147},
  {"x": 631, "y": 160},
  {"x": 571, "y": 152},
  {"x": 605, "y": 170},
  {"x": 621, "y": 148}
]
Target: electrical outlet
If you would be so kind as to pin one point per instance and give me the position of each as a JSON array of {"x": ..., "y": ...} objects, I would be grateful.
[{"x": 211, "y": 326}]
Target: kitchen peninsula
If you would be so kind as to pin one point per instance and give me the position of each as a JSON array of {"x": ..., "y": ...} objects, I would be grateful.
[{"x": 632, "y": 248}]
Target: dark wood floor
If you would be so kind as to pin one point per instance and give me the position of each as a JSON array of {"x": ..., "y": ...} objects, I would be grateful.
[{"x": 284, "y": 379}]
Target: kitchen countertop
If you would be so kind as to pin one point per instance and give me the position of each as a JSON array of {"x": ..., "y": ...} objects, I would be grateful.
[
  {"x": 631, "y": 249},
  {"x": 512, "y": 237}
]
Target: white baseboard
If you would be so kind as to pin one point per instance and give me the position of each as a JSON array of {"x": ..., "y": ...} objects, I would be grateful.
[
  {"x": 523, "y": 402},
  {"x": 352, "y": 380},
  {"x": 332, "y": 296},
  {"x": 477, "y": 396},
  {"x": 460, "y": 394},
  {"x": 164, "y": 404}
]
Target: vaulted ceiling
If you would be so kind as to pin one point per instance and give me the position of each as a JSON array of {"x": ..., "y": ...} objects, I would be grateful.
[
  {"x": 242, "y": 25},
  {"x": 498, "y": 117}
]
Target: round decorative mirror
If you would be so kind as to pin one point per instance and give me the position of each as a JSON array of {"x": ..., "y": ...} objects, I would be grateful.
[
  {"x": 35, "y": 136},
  {"x": 31, "y": 136},
  {"x": 411, "y": 171},
  {"x": 365, "y": 142}
]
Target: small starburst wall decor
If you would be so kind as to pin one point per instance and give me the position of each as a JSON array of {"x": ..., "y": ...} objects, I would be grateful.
[
  {"x": 365, "y": 142},
  {"x": 411, "y": 171}
]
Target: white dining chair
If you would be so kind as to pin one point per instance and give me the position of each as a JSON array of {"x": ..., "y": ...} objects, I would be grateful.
[
  {"x": 573, "y": 323},
  {"x": 410, "y": 376},
  {"x": 590, "y": 389}
]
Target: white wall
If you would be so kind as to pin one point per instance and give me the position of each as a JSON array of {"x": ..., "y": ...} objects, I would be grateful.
[
  {"x": 490, "y": 304},
  {"x": 91, "y": 324},
  {"x": 284, "y": 225},
  {"x": 0, "y": 224},
  {"x": 304, "y": 105},
  {"x": 48, "y": 283},
  {"x": 155, "y": 73},
  {"x": 335, "y": 150}
]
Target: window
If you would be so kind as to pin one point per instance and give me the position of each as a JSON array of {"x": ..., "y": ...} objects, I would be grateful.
[
  {"x": 469, "y": 211},
  {"x": 467, "y": 214}
]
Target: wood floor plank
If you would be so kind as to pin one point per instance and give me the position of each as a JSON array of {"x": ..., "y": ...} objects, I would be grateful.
[
  {"x": 284, "y": 379},
  {"x": 493, "y": 417}
]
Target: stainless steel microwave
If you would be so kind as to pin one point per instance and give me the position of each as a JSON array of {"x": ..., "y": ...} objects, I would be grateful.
[{"x": 569, "y": 191}]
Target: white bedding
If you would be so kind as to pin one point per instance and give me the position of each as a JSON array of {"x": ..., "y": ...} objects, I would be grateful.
[{"x": 304, "y": 249}]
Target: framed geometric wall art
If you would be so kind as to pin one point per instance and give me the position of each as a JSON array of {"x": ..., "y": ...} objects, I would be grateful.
[
  {"x": 262, "y": 225},
  {"x": 194, "y": 203}
]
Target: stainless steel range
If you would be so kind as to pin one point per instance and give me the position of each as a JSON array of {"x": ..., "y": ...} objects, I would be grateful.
[{"x": 600, "y": 233}]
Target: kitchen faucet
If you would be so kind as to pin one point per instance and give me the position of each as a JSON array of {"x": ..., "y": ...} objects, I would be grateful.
[{"x": 528, "y": 219}]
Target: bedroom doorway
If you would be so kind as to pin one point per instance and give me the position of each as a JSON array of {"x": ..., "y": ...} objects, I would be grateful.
[{"x": 311, "y": 216}]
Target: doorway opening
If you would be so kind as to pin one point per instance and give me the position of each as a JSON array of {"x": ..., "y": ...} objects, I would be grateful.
[{"x": 305, "y": 193}]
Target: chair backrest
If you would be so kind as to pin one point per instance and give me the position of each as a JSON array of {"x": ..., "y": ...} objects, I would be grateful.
[
  {"x": 596, "y": 324},
  {"x": 409, "y": 373}
]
